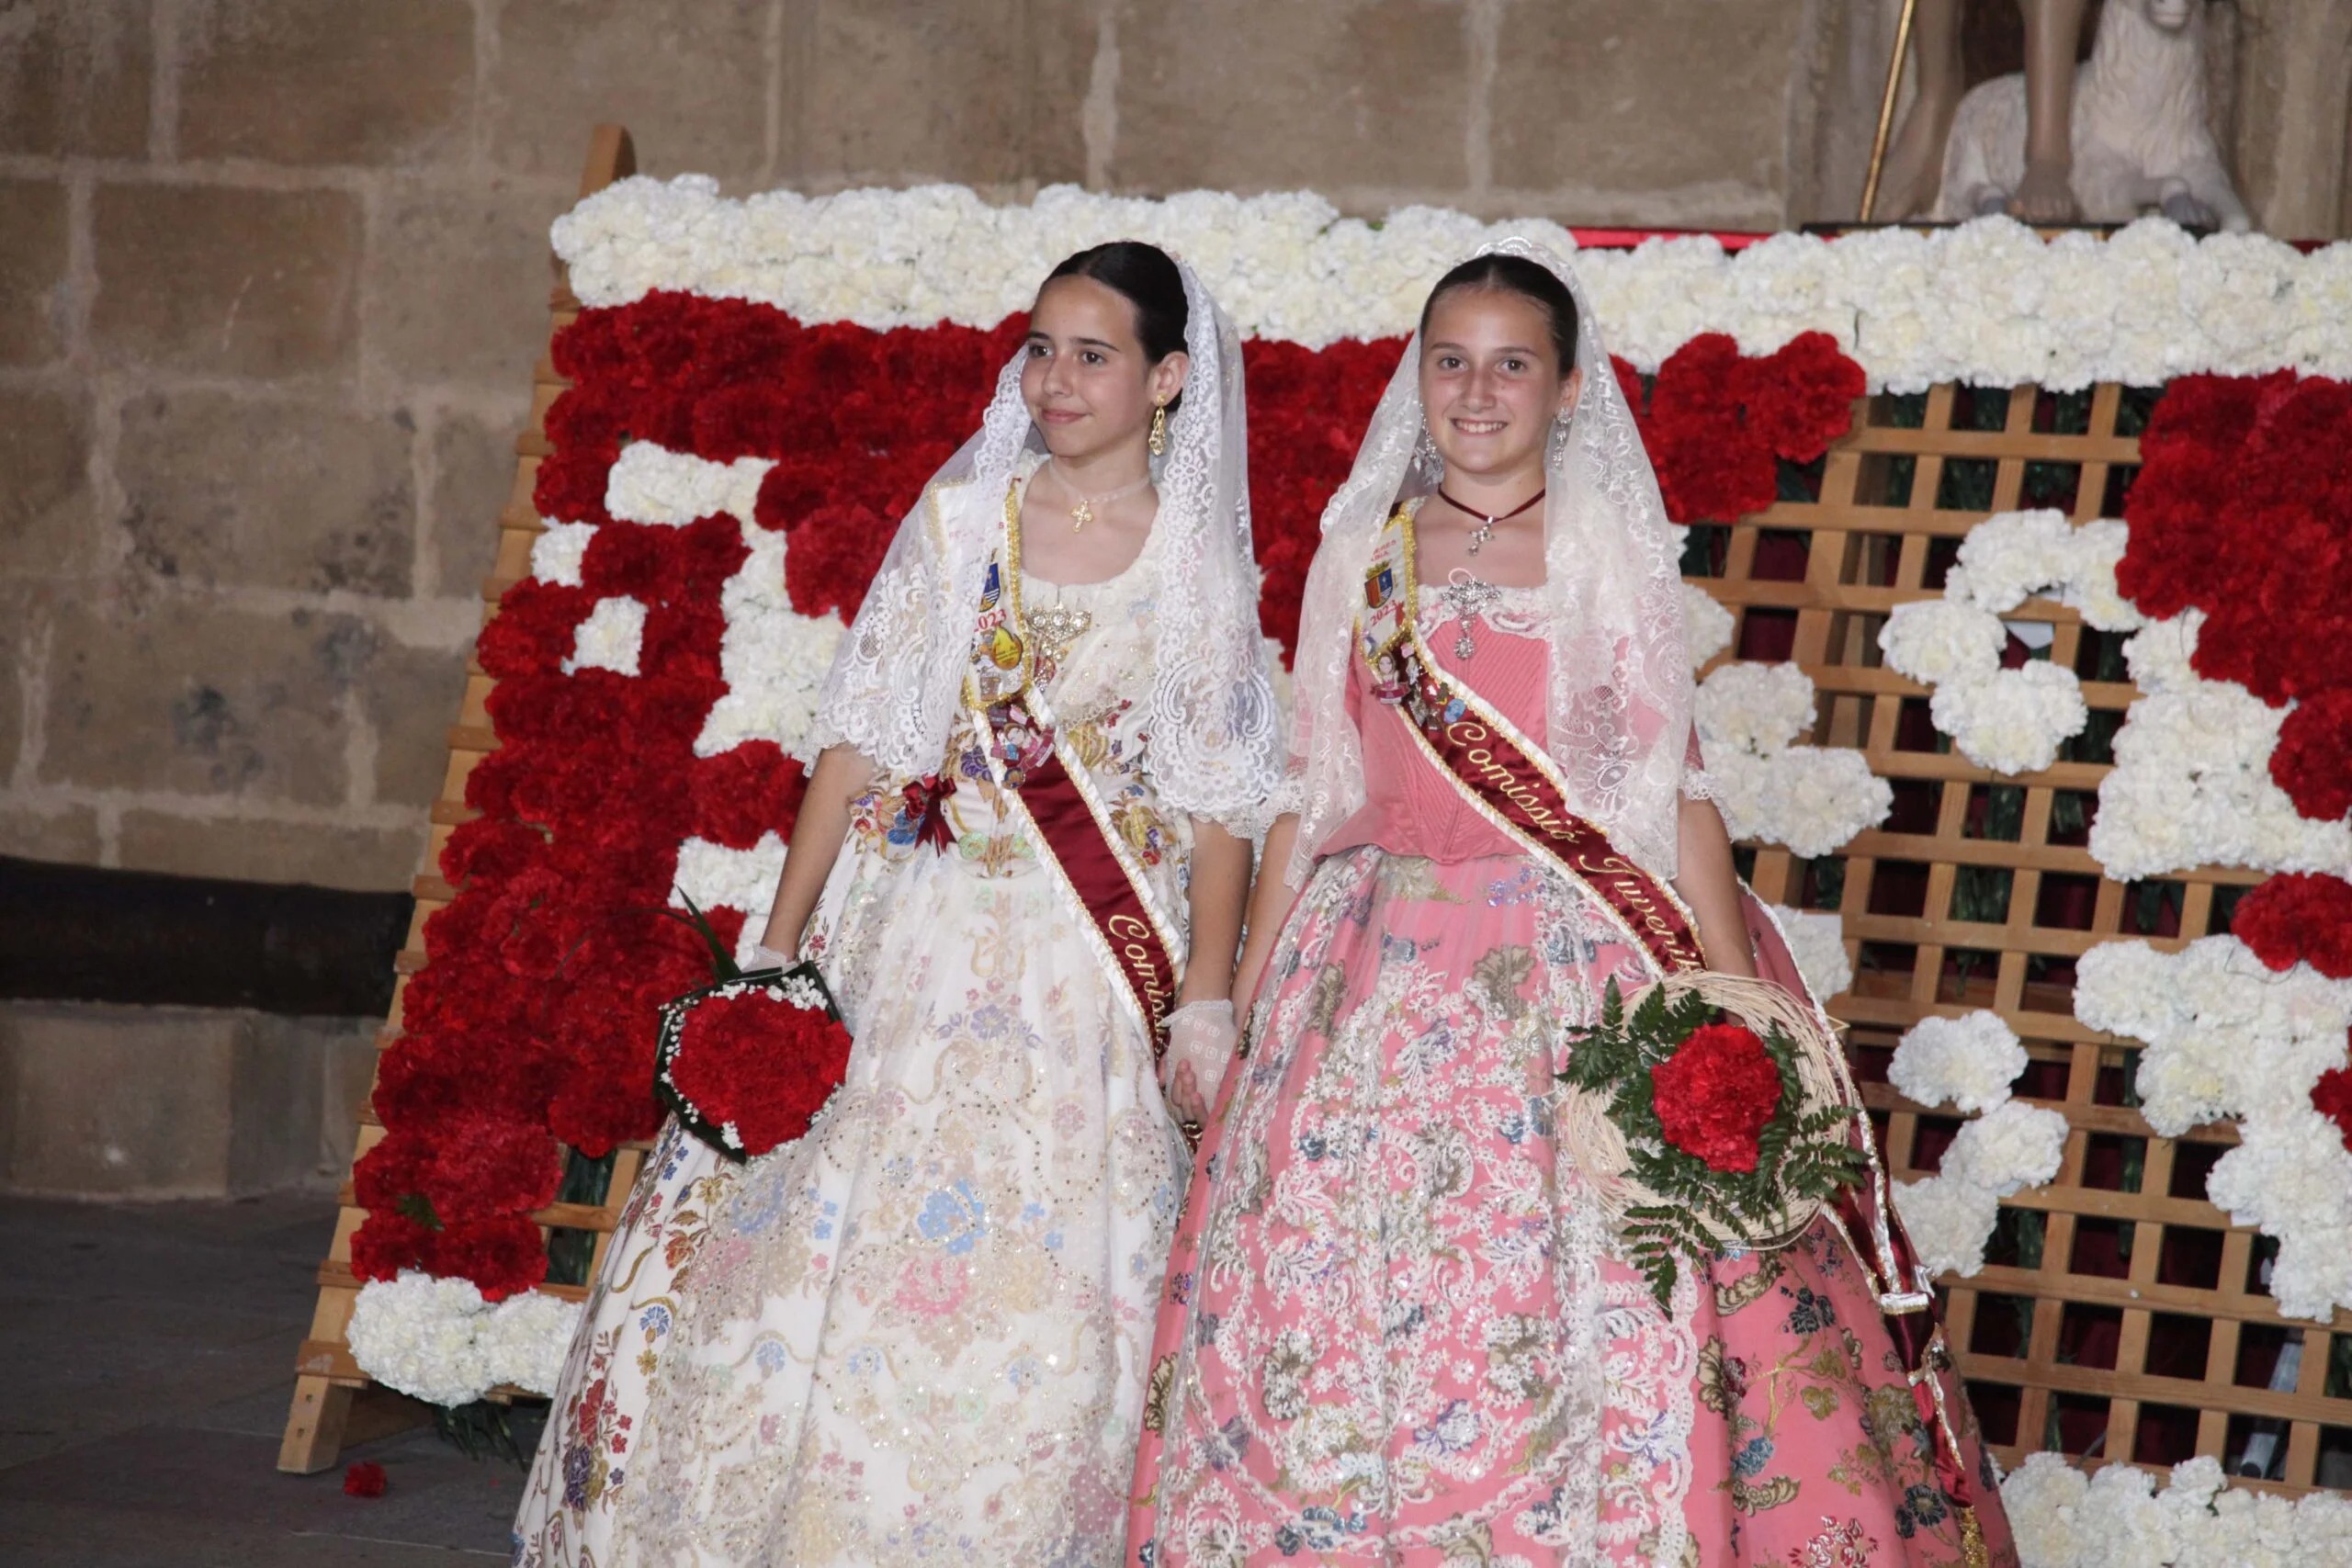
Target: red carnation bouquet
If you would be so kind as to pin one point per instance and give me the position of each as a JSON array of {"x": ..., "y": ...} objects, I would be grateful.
[
  {"x": 746, "y": 1063},
  {"x": 1700, "y": 1133}
]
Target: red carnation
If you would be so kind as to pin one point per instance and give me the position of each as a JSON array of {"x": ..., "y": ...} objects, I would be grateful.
[
  {"x": 743, "y": 792},
  {"x": 533, "y": 632},
  {"x": 387, "y": 1243},
  {"x": 501, "y": 1256},
  {"x": 833, "y": 559},
  {"x": 2332, "y": 1096},
  {"x": 392, "y": 1170},
  {"x": 760, "y": 1065},
  {"x": 2299, "y": 918},
  {"x": 1715, "y": 1094},
  {"x": 1629, "y": 382},
  {"x": 1801, "y": 398},
  {"x": 485, "y": 1166},
  {"x": 364, "y": 1479},
  {"x": 1709, "y": 468},
  {"x": 2313, "y": 759},
  {"x": 606, "y": 1098},
  {"x": 487, "y": 850}
]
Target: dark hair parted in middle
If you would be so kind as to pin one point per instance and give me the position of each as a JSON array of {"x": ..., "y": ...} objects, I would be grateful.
[
  {"x": 1150, "y": 280},
  {"x": 1531, "y": 281}
]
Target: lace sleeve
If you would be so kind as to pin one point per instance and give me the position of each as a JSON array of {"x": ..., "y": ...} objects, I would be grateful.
[{"x": 1698, "y": 784}]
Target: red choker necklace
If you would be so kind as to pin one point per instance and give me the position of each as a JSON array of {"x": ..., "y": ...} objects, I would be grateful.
[{"x": 1486, "y": 529}]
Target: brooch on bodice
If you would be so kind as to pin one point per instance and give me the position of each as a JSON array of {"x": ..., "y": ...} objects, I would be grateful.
[
  {"x": 1467, "y": 598},
  {"x": 1054, "y": 627}
]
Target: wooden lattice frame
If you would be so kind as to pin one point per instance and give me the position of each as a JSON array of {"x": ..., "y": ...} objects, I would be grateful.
[
  {"x": 328, "y": 1386},
  {"x": 1868, "y": 548}
]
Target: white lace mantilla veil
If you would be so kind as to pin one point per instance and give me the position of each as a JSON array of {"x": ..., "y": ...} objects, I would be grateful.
[
  {"x": 1620, "y": 696},
  {"x": 894, "y": 685}
]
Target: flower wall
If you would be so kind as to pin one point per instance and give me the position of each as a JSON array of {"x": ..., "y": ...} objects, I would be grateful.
[{"x": 759, "y": 388}]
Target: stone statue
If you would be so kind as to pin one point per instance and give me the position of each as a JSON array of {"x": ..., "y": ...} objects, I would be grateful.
[{"x": 2104, "y": 141}]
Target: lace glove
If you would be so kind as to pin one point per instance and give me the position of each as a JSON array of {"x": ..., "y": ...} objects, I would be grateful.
[
  {"x": 1201, "y": 1037},
  {"x": 767, "y": 958}
]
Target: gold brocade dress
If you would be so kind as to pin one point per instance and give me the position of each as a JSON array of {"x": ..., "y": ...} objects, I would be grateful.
[{"x": 916, "y": 1336}]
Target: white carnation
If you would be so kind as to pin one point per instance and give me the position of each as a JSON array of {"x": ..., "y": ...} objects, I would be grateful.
[
  {"x": 1817, "y": 943},
  {"x": 1986, "y": 301},
  {"x": 774, "y": 658},
  {"x": 1934, "y": 640},
  {"x": 2227, "y": 1036},
  {"x": 416, "y": 1334},
  {"x": 2192, "y": 784},
  {"x": 1752, "y": 708},
  {"x": 652, "y": 484},
  {"x": 2159, "y": 654},
  {"x": 2040, "y": 1498},
  {"x": 2011, "y": 555},
  {"x": 1812, "y": 799},
  {"x": 2090, "y": 584},
  {"x": 557, "y": 553},
  {"x": 716, "y": 877},
  {"x": 439, "y": 1341},
  {"x": 1816, "y": 798},
  {"x": 612, "y": 637},
  {"x": 1706, "y": 624},
  {"x": 2292, "y": 1176},
  {"x": 2122, "y": 1524},
  {"x": 2013, "y": 720},
  {"x": 1967, "y": 1062},
  {"x": 526, "y": 1339},
  {"x": 1948, "y": 1222},
  {"x": 2010, "y": 1147},
  {"x": 2060, "y": 1518}
]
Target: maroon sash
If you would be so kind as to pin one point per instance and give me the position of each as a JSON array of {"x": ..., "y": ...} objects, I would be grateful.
[
  {"x": 1027, "y": 757},
  {"x": 1080, "y": 844},
  {"x": 1506, "y": 777},
  {"x": 1519, "y": 792}
]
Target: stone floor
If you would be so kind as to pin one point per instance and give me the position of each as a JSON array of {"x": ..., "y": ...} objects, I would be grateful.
[{"x": 146, "y": 1384}]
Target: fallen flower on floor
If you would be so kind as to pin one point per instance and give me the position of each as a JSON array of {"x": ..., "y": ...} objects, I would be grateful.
[{"x": 364, "y": 1479}]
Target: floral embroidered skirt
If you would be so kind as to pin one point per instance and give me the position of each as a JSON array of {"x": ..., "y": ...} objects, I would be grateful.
[
  {"x": 1395, "y": 1330},
  {"x": 916, "y": 1336}
]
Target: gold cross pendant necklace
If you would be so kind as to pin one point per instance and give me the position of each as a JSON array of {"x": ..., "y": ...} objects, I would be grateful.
[{"x": 1083, "y": 512}]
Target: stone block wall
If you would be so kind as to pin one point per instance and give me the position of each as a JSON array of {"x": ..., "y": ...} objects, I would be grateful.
[
  {"x": 272, "y": 279},
  {"x": 100, "y": 1101}
]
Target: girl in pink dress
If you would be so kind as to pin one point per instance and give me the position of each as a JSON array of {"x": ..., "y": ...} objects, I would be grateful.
[{"x": 1396, "y": 1326}]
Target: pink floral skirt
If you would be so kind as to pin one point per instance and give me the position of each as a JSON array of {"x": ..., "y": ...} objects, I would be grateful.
[{"x": 1395, "y": 1330}]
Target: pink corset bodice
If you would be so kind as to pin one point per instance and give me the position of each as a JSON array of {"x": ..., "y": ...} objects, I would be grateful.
[{"x": 1412, "y": 807}]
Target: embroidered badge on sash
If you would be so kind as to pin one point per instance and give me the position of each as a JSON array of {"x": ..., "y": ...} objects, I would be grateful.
[{"x": 1387, "y": 604}]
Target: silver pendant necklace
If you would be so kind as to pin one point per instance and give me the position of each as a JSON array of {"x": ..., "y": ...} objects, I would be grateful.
[{"x": 1486, "y": 528}]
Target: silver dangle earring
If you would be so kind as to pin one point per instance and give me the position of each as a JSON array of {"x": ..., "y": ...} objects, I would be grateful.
[
  {"x": 1557, "y": 445},
  {"x": 1427, "y": 461}
]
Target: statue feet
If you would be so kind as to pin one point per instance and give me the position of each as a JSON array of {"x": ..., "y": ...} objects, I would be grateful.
[{"x": 2044, "y": 195}]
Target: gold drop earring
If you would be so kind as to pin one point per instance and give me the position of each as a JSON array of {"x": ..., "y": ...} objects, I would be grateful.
[{"x": 1159, "y": 430}]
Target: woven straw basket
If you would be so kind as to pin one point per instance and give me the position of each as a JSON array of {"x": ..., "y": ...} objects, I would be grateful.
[{"x": 1598, "y": 1148}]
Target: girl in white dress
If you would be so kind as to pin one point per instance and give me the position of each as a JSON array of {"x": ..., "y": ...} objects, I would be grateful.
[{"x": 918, "y": 1336}]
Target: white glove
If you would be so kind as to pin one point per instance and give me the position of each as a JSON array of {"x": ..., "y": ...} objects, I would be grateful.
[
  {"x": 767, "y": 958},
  {"x": 1201, "y": 1037}
]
